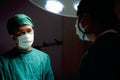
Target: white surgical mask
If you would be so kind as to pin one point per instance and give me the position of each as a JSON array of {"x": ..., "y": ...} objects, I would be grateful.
[
  {"x": 26, "y": 40},
  {"x": 81, "y": 33}
]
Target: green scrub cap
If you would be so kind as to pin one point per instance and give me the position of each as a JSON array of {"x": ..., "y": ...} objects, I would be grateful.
[{"x": 18, "y": 20}]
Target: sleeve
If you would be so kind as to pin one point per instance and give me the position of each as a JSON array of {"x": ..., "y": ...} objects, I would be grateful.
[
  {"x": 83, "y": 72},
  {"x": 2, "y": 77},
  {"x": 48, "y": 73}
]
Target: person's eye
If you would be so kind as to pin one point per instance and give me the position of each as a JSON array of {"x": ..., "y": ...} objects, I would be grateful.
[
  {"x": 29, "y": 30},
  {"x": 20, "y": 33}
]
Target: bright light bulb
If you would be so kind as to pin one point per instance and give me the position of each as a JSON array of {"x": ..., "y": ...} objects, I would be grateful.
[
  {"x": 54, "y": 6},
  {"x": 76, "y": 5}
]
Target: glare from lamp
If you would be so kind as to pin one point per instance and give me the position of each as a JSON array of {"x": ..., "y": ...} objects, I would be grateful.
[
  {"x": 76, "y": 5},
  {"x": 54, "y": 6},
  {"x": 66, "y": 8}
]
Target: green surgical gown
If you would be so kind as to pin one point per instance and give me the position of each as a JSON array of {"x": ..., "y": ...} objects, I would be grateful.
[{"x": 25, "y": 65}]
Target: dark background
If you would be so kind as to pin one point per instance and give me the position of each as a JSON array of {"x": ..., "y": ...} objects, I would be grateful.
[{"x": 54, "y": 34}]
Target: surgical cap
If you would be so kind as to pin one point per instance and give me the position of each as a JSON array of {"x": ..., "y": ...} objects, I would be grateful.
[{"x": 18, "y": 20}]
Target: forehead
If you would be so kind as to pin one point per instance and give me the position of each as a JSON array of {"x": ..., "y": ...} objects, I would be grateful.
[{"x": 24, "y": 28}]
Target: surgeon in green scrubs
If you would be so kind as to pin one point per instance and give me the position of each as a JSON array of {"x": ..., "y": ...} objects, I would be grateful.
[{"x": 24, "y": 62}]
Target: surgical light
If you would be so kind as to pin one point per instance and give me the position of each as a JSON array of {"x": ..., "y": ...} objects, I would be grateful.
[
  {"x": 54, "y": 6},
  {"x": 65, "y": 8}
]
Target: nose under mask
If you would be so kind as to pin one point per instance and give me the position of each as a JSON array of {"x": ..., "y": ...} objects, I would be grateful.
[{"x": 26, "y": 40}]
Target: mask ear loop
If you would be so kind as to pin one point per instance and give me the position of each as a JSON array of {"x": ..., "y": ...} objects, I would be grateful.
[
  {"x": 81, "y": 30},
  {"x": 84, "y": 44}
]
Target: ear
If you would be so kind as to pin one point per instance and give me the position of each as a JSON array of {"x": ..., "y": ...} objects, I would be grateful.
[
  {"x": 86, "y": 20},
  {"x": 13, "y": 37}
]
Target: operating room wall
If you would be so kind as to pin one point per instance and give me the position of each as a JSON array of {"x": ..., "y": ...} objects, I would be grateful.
[{"x": 54, "y": 35}]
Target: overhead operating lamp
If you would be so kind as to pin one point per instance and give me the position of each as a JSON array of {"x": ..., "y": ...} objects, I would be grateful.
[{"x": 65, "y": 8}]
